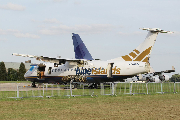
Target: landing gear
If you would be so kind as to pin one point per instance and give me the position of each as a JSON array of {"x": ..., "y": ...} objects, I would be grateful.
[
  {"x": 33, "y": 84},
  {"x": 92, "y": 86}
]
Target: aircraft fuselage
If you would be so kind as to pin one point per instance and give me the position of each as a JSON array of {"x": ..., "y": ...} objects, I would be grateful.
[{"x": 94, "y": 71}]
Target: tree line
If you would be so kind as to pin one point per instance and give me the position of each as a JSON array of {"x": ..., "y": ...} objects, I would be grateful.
[
  {"x": 11, "y": 74},
  {"x": 175, "y": 78}
]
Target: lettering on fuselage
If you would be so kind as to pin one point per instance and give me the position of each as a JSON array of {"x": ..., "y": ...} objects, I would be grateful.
[
  {"x": 83, "y": 71},
  {"x": 96, "y": 71}
]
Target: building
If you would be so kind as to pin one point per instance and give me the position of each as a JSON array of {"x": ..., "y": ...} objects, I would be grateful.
[{"x": 16, "y": 65}]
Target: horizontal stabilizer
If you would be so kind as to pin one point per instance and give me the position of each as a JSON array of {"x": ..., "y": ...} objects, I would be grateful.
[{"x": 156, "y": 30}]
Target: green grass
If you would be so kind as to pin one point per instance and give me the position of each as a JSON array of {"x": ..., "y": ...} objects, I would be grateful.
[
  {"x": 122, "y": 106},
  {"x": 102, "y": 107}
]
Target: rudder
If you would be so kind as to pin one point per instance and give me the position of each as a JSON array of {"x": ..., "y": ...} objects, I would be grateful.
[{"x": 81, "y": 52}]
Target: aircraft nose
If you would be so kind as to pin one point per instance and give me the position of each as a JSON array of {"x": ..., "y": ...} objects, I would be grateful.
[{"x": 26, "y": 74}]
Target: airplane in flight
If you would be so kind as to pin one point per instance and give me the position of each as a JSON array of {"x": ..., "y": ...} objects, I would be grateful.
[{"x": 60, "y": 70}]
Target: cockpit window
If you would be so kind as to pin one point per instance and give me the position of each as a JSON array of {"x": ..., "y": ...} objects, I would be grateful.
[{"x": 31, "y": 68}]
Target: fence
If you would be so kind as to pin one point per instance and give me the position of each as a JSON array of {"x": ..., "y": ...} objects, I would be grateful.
[{"x": 23, "y": 90}]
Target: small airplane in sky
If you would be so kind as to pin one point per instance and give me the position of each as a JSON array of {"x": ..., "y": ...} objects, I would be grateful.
[{"x": 60, "y": 70}]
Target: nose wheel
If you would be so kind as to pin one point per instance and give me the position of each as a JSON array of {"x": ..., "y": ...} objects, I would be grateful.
[{"x": 33, "y": 84}]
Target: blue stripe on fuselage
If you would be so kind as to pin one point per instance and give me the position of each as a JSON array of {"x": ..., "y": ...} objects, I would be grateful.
[{"x": 90, "y": 79}]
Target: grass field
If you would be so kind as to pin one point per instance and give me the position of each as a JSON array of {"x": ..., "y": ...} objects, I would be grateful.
[
  {"x": 122, "y": 106},
  {"x": 158, "y": 106}
]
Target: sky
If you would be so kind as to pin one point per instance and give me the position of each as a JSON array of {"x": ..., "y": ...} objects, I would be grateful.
[{"x": 109, "y": 28}]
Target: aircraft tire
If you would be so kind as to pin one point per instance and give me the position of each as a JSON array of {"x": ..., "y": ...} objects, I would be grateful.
[{"x": 33, "y": 84}]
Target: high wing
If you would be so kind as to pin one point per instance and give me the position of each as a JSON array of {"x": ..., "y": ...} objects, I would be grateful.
[{"x": 58, "y": 61}]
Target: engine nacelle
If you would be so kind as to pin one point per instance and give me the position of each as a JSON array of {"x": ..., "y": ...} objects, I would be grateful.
[
  {"x": 157, "y": 80},
  {"x": 164, "y": 77}
]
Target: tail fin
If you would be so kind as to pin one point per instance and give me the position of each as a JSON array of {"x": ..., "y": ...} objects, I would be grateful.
[
  {"x": 143, "y": 51},
  {"x": 81, "y": 52}
]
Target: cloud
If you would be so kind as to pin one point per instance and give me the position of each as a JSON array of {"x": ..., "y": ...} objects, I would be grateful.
[
  {"x": 18, "y": 34},
  {"x": 41, "y": 26},
  {"x": 9, "y": 31},
  {"x": 33, "y": 20},
  {"x": 77, "y": 3},
  {"x": 2, "y": 32},
  {"x": 11, "y": 6},
  {"x": 83, "y": 29},
  {"x": 59, "y": 0},
  {"x": 131, "y": 33},
  {"x": 26, "y": 35},
  {"x": 54, "y": 20},
  {"x": 3, "y": 39}
]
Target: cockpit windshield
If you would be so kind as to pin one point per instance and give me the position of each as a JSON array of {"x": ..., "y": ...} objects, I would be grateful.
[{"x": 32, "y": 67}]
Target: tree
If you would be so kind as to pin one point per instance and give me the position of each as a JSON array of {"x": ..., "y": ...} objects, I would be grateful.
[
  {"x": 175, "y": 78},
  {"x": 12, "y": 75},
  {"x": 22, "y": 71},
  {"x": 3, "y": 73}
]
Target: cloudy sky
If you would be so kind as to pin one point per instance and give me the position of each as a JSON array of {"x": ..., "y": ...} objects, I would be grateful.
[{"x": 109, "y": 28}]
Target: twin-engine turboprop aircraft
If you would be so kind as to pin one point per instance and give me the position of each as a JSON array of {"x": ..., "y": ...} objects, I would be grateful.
[{"x": 60, "y": 70}]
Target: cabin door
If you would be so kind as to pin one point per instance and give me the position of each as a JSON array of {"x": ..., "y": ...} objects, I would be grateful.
[
  {"x": 41, "y": 70},
  {"x": 109, "y": 70}
]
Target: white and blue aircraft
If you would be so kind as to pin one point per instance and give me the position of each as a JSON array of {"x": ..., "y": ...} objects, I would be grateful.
[
  {"x": 81, "y": 52},
  {"x": 60, "y": 70}
]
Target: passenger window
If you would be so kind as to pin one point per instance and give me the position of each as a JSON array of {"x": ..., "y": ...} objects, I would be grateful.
[{"x": 55, "y": 65}]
